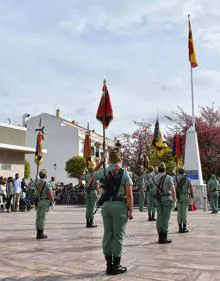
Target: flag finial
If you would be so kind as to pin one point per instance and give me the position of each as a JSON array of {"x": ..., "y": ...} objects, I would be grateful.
[{"x": 104, "y": 82}]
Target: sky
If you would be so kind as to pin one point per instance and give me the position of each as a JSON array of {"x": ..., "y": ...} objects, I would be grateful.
[{"x": 56, "y": 53}]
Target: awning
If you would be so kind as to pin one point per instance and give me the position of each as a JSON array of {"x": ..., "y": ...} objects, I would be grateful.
[{"x": 18, "y": 148}]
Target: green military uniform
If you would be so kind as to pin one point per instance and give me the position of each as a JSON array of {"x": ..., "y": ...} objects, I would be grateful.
[
  {"x": 115, "y": 217},
  {"x": 141, "y": 195},
  {"x": 165, "y": 184},
  {"x": 150, "y": 196},
  {"x": 43, "y": 192},
  {"x": 91, "y": 197},
  {"x": 183, "y": 191},
  {"x": 53, "y": 186},
  {"x": 213, "y": 193}
]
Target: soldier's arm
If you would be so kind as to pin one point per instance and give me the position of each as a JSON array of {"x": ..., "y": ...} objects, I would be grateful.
[
  {"x": 190, "y": 190},
  {"x": 173, "y": 190},
  {"x": 129, "y": 195}
]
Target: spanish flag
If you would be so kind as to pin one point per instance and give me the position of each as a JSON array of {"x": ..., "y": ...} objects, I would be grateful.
[
  {"x": 104, "y": 113},
  {"x": 192, "y": 51}
]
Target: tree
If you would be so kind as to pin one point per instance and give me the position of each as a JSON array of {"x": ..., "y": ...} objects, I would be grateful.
[
  {"x": 27, "y": 169},
  {"x": 75, "y": 167},
  {"x": 137, "y": 144},
  {"x": 208, "y": 132}
]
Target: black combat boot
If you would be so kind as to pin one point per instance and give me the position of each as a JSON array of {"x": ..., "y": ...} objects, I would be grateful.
[
  {"x": 117, "y": 268},
  {"x": 40, "y": 234},
  {"x": 87, "y": 223},
  {"x": 165, "y": 240},
  {"x": 91, "y": 223},
  {"x": 160, "y": 238},
  {"x": 180, "y": 228},
  {"x": 149, "y": 217},
  {"x": 185, "y": 230},
  {"x": 109, "y": 265},
  {"x": 153, "y": 217}
]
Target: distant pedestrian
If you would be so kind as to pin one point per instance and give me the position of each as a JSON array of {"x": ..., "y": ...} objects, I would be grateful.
[
  {"x": 213, "y": 191},
  {"x": 17, "y": 192}
]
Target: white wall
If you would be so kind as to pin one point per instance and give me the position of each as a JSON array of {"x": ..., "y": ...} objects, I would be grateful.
[
  {"x": 61, "y": 142},
  {"x": 15, "y": 160}
]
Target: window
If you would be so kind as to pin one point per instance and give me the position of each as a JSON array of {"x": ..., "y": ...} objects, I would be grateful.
[{"x": 6, "y": 166}]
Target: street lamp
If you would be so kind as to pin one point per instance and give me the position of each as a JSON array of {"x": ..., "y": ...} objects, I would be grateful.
[
  {"x": 24, "y": 117},
  {"x": 9, "y": 121},
  {"x": 55, "y": 168},
  {"x": 118, "y": 144},
  {"x": 97, "y": 149}
]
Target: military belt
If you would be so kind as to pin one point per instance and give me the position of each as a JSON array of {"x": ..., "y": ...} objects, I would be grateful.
[
  {"x": 120, "y": 199},
  {"x": 165, "y": 194}
]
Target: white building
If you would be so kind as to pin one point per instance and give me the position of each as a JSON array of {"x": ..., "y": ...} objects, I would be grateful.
[
  {"x": 62, "y": 140},
  {"x": 13, "y": 149}
]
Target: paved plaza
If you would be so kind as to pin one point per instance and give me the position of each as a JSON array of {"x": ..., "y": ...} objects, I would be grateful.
[{"x": 73, "y": 252}]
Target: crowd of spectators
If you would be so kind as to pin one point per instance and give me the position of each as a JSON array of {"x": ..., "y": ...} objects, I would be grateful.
[{"x": 13, "y": 194}]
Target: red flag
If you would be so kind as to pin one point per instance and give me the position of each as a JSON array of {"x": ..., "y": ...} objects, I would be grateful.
[
  {"x": 104, "y": 113},
  {"x": 87, "y": 146},
  {"x": 39, "y": 146},
  {"x": 177, "y": 150}
]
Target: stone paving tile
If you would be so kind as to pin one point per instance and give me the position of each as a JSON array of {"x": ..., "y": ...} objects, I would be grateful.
[{"x": 73, "y": 252}]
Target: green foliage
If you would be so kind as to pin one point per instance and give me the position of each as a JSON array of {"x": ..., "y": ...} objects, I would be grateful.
[
  {"x": 168, "y": 159},
  {"x": 27, "y": 170},
  {"x": 75, "y": 167}
]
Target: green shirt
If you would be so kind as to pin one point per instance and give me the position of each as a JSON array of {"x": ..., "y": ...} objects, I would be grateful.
[
  {"x": 43, "y": 189},
  {"x": 167, "y": 184},
  {"x": 125, "y": 181}
]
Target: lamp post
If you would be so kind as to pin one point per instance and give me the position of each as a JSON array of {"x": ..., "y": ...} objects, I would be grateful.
[
  {"x": 117, "y": 144},
  {"x": 55, "y": 169},
  {"x": 24, "y": 117}
]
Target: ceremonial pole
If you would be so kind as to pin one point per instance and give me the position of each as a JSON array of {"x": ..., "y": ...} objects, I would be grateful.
[
  {"x": 192, "y": 160},
  {"x": 191, "y": 73},
  {"x": 103, "y": 123},
  {"x": 39, "y": 147}
]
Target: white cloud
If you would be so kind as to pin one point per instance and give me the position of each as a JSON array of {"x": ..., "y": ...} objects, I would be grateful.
[{"x": 56, "y": 54}]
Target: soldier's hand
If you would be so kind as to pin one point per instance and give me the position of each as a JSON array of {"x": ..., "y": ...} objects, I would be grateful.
[{"x": 130, "y": 215}]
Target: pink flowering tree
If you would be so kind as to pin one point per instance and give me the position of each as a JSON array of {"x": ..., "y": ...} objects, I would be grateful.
[
  {"x": 134, "y": 146},
  {"x": 208, "y": 132}
]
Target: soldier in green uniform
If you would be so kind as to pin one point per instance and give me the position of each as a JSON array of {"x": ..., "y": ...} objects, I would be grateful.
[
  {"x": 141, "y": 195},
  {"x": 165, "y": 195},
  {"x": 91, "y": 192},
  {"x": 184, "y": 192},
  {"x": 213, "y": 193},
  {"x": 149, "y": 194},
  {"x": 43, "y": 198},
  {"x": 116, "y": 211},
  {"x": 54, "y": 187}
]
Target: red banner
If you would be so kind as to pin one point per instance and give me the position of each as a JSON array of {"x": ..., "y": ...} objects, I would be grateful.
[{"x": 104, "y": 113}]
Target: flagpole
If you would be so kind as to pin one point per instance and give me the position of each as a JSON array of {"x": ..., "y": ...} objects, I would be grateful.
[
  {"x": 192, "y": 95},
  {"x": 192, "y": 88},
  {"x": 103, "y": 126}
]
